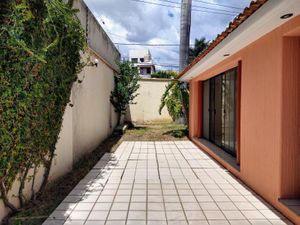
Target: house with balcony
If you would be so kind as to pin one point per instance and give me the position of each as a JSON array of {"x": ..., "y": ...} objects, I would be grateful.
[
  {"x": 142, "y": 59},
  {"x": 245, "y": 101}
]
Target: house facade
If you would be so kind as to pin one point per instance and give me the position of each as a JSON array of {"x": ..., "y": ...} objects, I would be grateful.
[
  {"x": 142, "y": 59},
  {"x": 245, "y": 101}
]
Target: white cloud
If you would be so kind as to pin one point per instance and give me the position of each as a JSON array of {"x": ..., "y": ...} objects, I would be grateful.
[{"x": 128, "y": 21}]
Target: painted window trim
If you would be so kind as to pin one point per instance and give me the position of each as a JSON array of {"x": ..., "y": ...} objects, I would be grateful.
[{"x": 238, "y": 113}]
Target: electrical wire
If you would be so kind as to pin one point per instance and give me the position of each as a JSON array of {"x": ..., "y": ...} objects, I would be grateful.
[
  {"x": 145, "y": 44},
  {"x": 163, "y": 65},
  {"x": 151, "y": 45},
  {"x": 217, "y": 4},
  {"x": 173, "y": 6},
  {"x": 201, "y": 7}
]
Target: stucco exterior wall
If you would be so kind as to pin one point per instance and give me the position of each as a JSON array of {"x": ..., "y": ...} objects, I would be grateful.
[
  {"x": 269, "y": 93},
  {"x": 97, "y": 39},
  {"x": 89, "y": 121},
  {"x": 89, "y": 118},
  {"x": 148, "y": 101},
  {"x": 93, "y": 116}
]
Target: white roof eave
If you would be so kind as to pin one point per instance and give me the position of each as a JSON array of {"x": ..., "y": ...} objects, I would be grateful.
[{"x": 264, "y": 20}]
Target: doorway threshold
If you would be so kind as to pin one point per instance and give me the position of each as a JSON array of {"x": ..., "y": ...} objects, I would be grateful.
[
  {"x": 292, "y": 204},
  {"x": 221, "y": 153}
]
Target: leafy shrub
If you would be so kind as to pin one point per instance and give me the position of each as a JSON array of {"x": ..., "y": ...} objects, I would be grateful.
[
  {"x": 199, "y": 46},
  {"x": 40, "y": 46},
  {"x": 175, "y": 98},
  {"x": 164, "y": 74},
  {"x": 126, "y": 85}
]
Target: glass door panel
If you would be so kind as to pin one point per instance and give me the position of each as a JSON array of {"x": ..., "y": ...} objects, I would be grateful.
[
  {"x": 219, "y": 110},
  {"x": 206, "y": 109}
]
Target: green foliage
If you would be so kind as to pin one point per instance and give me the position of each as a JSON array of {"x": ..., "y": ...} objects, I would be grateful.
[
  {"x": 164, "y": 74},
  {"x": 126, "y": 86},
  {"x": 40, "y": 45},
  {"x": 173, "y": 98},
  {"x": 199, "y": 47}
]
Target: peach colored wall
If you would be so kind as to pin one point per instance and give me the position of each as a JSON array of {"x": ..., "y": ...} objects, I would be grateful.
[
  {"x": 195, "y": 122},
  {"x": 261, "y": 118},
  {"x": 290, "y": 156}
]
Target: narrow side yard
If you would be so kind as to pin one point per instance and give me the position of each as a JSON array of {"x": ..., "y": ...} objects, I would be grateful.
[
  {"x": 42, "y": 207},
  {"x": 156, "y": 132},
  {"x": 162, "y": 183}
]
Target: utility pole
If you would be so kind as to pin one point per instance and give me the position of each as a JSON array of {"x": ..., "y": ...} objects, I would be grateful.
[{"x": 185, "y": 27}]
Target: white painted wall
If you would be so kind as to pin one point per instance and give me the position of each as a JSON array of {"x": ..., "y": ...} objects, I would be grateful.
[
  {"x": 90, "y": 121},
  {"x": 140, "y": 53},
  {"x": 93, "y": 116},
  {"x": 148, "y": 101}
]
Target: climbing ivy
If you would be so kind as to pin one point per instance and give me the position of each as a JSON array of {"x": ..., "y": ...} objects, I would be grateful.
[{"x": 40, "y": 47}]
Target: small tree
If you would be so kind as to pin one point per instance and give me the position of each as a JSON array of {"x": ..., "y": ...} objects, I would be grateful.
[
  {"x": 173, "y": 99},
  {"x": 126, "y": 85},
  {"x": 169, "y": 74},
  {"x": 199, "y": 46}
]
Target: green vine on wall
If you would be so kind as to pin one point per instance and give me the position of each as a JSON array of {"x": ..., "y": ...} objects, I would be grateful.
[{"x": 40, "y": 56}]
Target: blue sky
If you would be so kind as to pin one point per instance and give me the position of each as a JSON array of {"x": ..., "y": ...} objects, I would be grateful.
[{"x": 133, "y": 21}]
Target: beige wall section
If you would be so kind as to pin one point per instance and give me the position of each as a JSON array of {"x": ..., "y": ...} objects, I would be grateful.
[
  {"x": 93, "y": 114},
  {"x": 92, "y": 118},
  {"x": 63, "y": 160},
  {"x": 148, "y": 101},
  {"x": 89, "y": 121},
  {"x": 97, "y": 39}
]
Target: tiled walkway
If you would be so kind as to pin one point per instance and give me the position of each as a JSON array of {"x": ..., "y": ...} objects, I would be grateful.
[{"x": 161, "y": 183}]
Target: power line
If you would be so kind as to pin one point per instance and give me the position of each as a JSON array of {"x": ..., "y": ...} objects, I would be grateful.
[
  {"x": 200, "y": 7},
  {"x": 173, "y": 6},
  {"x": 163, "y": 65},
  {"x": 154, "y": 3},
  {"x": 194, "y": 9},
  {"x": 151, "y": 45},
  {"x": 157, "y": 64},
  {"x": 125, "y": 38},
  {"x": 217, "y": 4},
  {"x": 145, "y": 44}
]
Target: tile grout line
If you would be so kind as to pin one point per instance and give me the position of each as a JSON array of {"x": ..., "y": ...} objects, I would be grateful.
[
  {"x": 84, "y": 194},
  {"x": 160, "y": 182},
  {"x": 185, "y": 216},
  {"x": 133, "y": 182},
  {"x": 173, "y": 172},
  {"x": 110, "y": 209}
]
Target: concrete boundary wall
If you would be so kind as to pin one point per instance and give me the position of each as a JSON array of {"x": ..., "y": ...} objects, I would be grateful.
[
  {"x": 89, "y": 118},
  {"x": 148, "y": 101}
]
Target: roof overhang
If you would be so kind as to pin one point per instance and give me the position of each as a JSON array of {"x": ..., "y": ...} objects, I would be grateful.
[{"x": 264, "y": 20}]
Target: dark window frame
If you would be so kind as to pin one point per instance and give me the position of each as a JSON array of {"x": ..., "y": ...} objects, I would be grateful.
[
  {"x": 134, "y": 60},
  {"x": 148, "y": 70},
  {"x": 223, "y": 111}
]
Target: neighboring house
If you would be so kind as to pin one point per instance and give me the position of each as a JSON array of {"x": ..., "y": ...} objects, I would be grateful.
[
  {"x": 143, "y": 61},
  {"x": 245, "y": 101}
]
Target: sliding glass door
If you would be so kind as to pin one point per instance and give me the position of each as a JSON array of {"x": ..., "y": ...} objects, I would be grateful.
[{"x": 219, "y": 110}]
